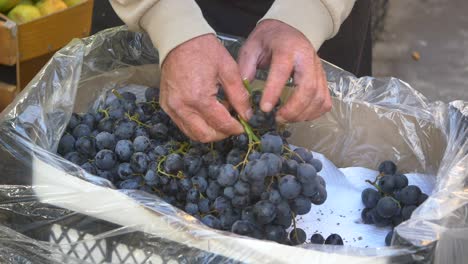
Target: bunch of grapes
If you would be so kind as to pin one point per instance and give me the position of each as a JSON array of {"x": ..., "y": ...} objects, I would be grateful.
[
  {"x": 252, "y": 184},
  {"x": 392, "y": 200}
]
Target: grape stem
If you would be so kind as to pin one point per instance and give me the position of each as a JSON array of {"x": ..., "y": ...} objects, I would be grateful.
[
  {"x": 117, "y": 94},
  {"x": 248, "y": 129},
  {"x": 135, "y": 119},
  {"x": 294, "y": 153},
  {"x": 161, "y": 171},
  {"x": 375, "y": 185},
  {"x": 105, "y": 112}
]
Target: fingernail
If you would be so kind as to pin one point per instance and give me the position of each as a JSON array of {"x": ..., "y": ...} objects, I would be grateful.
[
  {"x": 249, "y": 114},
  {"x": 280, "y": 120},
  {"x": 267, "y": 107}
]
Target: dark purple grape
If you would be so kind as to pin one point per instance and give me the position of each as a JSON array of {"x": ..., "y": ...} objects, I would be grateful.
[
  {"x": 297, "y": 236},
  {"x": 229, "y": 193},
  {"x": 289, "y": 187},
  {"x": 302, "y": 155},
  {"x": 334, "y": 239},
  {"x": 86, "y": 146},
  {"x": 75, "y": 120},
  {"x": 204, "y": 206},
  {"x": 192, "y": 164},
  {"x": 254, "y": 155},
  {"x": 200, "y": 183},
  {"x": 124, "y": 150},
  {"x": 213, "y": 190},
  {"x": 273, "y": 163},
  {"x": 130, "y": 184},
  {"x": 105, "y": 159},
  {"x": 241, "y": 188},
  {"x": 240, "y": 201},
  {"x": 152, "y": 94},
  {"x": 81, "y": 130},
  {"x": 408, "y": 195},
  {"x": 139, "y": 162},
  {"x": 301, "y": 205},
  {"x": 242, "y": 227},
  {"x": 193, "y": 195},
  {"x": 141, "y": 131},
  {"x": 319, "y": 197},
  {"x": 256, "y": 170},
  {"x": 366, "y": 216},
  {"x": 125, "y": 130},
  {"x": 228, "y": 175},
  {"x": 401, "y": 181},
  {"x": 173, "y": 163},
  {"x": 66, "y": 144},
  {"x": 227, "y": 219},
  {"x": 422, "y": 198},
  {"x": 90, "y": 168},
  {"x": 270, "y": 143},
  {"x": 407, "y": 211},
  {"x": 306, "y": 173},
  {"x": 89, "y": 120},
  {"x": 370, "y": 197},
  {"x": 105, "y": 140},
  {"x": 289, "y": 166},
  {"x": 116, "y": 113},
  {"x": 264, "y": 212},
  {"x": 75, "y": 158},
  {"x": 275, "y": 233},
  {"x": 316, "y": 163},
  {"x": 317, "y": 239},
  {"x": 141, "y": 144},
  {"x": 191, "y": 208},
  {"x": 124, "y": 171},
  {"x": 378, "y": 220},
  {"x": 283, "y": 215},
  {"x": 387, "y": 207},
  {"x": 234, "y": 157},
  {"x": 387, "y": 183},
  {"x": 222, "y": 204},
  {"x": 387, "y": 168},
  {"x": 106, "y": 124},
  {"x": 159, "y": 131}
]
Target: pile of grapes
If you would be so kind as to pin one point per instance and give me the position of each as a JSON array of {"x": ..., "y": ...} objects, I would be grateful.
[
  {"x": 252, "y": 184},
  {"x": 392, "y": 201}
]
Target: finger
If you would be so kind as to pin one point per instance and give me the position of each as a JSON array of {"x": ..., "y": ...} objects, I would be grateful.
[
  {"x": 196, "y": 127},
  {"x": 236, "y": 93},
  {"x": 248, "y": 59},
  {"x": 219, "y": 118},
  {"x": 307, "y": 78},
  {"x": 280, "y": 71},
  {"x": 188, "y": 120}
]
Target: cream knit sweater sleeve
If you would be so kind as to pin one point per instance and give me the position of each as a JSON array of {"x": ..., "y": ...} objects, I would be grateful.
[{"x": 170, "y": 23}]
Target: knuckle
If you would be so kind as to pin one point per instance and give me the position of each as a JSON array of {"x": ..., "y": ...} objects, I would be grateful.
[{"x": 327, "y": 105}]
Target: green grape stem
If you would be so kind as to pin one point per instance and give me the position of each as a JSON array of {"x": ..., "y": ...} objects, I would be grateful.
[{"x": 117, "y": 94}]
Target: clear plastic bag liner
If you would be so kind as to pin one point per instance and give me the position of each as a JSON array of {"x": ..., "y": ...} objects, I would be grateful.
[{"x": 52, "y": 211}]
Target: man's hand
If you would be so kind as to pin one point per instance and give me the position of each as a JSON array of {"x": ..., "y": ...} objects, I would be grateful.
[
  {"x": 189, "y": 83},
  {"x": 285, "y": 50}
]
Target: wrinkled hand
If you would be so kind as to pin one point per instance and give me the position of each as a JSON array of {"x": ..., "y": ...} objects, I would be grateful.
[
  {"x": 189, "y": 83},
  {"x": 285, "y": 50}
]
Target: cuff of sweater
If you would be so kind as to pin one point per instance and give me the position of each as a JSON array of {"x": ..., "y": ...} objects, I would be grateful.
[
  {"x": 312, "y": 18},
  {"x": 170, "y": 23}
]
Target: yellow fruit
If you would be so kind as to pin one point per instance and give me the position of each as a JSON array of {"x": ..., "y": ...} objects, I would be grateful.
[
  {"x": 47, "y": 7},
  {"x": 24, "y": 13},
  {"x": 73, "y": 2},
  {"x": 6, "y": 5}
]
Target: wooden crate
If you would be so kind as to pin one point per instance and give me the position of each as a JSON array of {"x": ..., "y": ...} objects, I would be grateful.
[{"x": 30, "y": 45}]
